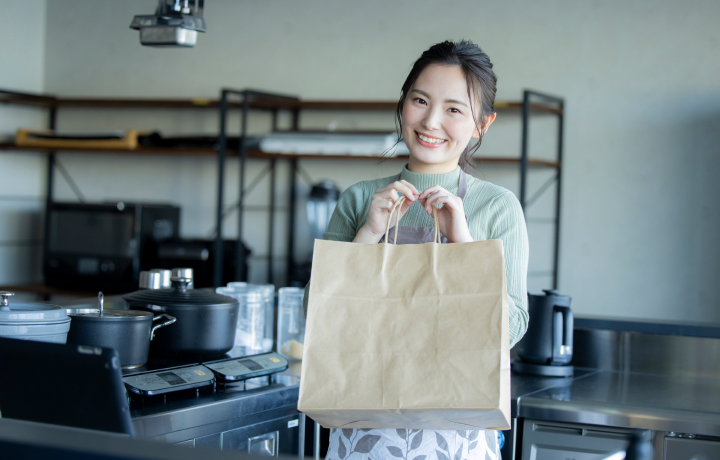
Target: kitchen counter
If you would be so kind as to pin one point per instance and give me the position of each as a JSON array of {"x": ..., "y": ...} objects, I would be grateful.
[
  {"x": 679, "y": 328},
  {"x": 186, "y": 415},
  {"x": 523, "y": 385},
  {"x": 610, "y": 398},
  {"x": 682, "y": 404},
  {"x": 664, "y": 380}
]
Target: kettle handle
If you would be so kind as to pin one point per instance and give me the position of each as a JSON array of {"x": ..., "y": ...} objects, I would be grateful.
[{"x": 562, "y": 335}]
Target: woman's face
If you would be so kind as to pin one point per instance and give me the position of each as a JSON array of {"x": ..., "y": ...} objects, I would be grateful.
[{"x": 437, "y": 123}]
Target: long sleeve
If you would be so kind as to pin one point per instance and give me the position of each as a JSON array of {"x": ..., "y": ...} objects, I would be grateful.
[
  {"x": 508, "y": 224},
  {"x": 345, "y": 221}
]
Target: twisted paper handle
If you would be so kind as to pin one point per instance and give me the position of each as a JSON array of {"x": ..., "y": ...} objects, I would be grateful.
[{"x": 396, "y": 207}]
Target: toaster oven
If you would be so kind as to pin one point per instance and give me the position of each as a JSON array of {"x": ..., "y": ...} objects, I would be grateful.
[{"x": 90, "y": 247}]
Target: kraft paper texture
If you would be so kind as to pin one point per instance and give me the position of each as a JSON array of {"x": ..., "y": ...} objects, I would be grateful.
[{"x": 407, "y": 336}]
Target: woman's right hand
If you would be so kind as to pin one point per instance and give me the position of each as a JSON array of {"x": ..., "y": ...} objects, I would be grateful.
[{"x": 381, "y": 205}]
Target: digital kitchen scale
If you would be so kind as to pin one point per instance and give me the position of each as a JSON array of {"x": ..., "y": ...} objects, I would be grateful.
[
  {"x": 170, "y": 380},
  {"x": 157, "y": 378},
  {"x": 233, "y": 370}
]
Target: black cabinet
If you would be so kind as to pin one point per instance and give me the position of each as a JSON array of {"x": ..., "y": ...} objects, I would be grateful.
[
  {"x": 272, "y": 438},
  {"x": 543, "y": 440}
]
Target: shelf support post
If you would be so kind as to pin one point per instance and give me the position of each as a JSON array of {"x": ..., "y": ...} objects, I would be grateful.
[
  {"x": 271, "y": 223},
  {"x": 222, "y": 148},
  {"x": 52, "y": 120},
  {"x": 524, "y": 147},
  {"x": 240, "y": 274},
  {"x": 291, "y": 222},
  {"x": 558, "y": 194}
]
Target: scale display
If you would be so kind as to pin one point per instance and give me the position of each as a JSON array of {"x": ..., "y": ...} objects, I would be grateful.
[
  {"x": 157, "y": 383},
  {"x": 231, "y": 370}
]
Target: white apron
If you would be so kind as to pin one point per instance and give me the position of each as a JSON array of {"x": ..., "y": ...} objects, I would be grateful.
[{"x": 351, "y": 444}]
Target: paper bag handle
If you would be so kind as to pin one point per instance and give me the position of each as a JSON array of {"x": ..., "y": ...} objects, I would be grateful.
[{"x": 396, "y": 207}]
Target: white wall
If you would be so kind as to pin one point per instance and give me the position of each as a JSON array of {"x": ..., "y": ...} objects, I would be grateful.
[
  {"x": 642, "y": 116},
  {"x": 22, "y": 54}
]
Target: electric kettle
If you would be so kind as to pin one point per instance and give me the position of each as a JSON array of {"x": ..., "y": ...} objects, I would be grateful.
[{"x": 547, "y": 347}]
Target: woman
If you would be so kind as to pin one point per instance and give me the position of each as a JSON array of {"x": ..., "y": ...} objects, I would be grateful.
[{"x": 446, "y": 101}]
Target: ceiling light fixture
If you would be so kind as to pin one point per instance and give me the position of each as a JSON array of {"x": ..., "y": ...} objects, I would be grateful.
[{"x": 174, "y": 24}]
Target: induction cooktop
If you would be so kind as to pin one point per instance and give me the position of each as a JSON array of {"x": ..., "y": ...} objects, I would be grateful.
[{"x": 160, "y": 376}]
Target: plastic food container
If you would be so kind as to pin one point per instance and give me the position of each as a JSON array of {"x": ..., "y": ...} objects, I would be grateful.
[
  {"x": 268, "y": 293},
  {"x": 256, "y": 318},
  {"x": 291, "y": 323}
]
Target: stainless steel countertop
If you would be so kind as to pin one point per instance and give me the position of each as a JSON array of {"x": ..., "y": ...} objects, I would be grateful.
[
  {"x": 629, "y": 399},
  {"x": 522, "y": 385},
  {"x": 169, "y": 419},
  {"x": 609, "y": 398}
]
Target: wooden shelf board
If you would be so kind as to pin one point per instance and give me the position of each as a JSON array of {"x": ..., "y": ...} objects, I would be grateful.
[
  {"x": 266, "y": 104},
  {"x": 35, "y": 100},
  {"x": 258, "y": 154},
  {"x": 531, "y": 161}
]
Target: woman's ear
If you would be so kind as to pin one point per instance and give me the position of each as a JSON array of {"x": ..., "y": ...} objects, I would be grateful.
[{"x": 488, "y": 121}]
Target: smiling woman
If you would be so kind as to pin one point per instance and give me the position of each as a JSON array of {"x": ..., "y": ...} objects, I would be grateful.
[
  {"x": 438, "y": 119},
  {"x": 446, "y": 101},
  {"x": 454, "y": 79}
]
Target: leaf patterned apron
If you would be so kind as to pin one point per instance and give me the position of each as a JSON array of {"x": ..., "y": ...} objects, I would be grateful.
[{"x": 374, "y": 444}]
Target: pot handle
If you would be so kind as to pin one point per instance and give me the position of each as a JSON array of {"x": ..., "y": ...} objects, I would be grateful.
[
  {"x": 170, "y": 320},
  {"x": 4, "y": 297}
]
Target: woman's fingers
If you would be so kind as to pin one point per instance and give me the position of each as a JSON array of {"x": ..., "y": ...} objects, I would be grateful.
[
  {"x": 411, "y": 187},
  {"x": 401, "y": 186},
  {"x": 382, "y": 203},
  {"x": 430, "y": 190},
  {"x": 405, "y": 206},
  {"x": 441, "y": 197},
  {"x": 428, "y": 202}
]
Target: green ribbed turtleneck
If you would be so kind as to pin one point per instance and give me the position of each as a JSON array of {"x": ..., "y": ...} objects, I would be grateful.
[{"x": 492, "y": 211}]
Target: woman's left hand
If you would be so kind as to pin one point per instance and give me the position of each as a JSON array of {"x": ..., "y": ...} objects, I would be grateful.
[{"x": 451, "y": 216}]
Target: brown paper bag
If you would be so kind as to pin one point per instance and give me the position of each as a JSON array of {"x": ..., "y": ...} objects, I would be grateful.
[{"x": 407, "y": 336}]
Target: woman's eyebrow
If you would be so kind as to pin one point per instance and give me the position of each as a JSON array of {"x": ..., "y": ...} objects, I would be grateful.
[{"x": 451, "y": 101}]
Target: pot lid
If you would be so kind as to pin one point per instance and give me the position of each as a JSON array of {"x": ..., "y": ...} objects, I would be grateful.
[
  {"x": 112, "y": 315},
  {"x": 179, "y": 295},
  {"x": 21, "y": 312}
]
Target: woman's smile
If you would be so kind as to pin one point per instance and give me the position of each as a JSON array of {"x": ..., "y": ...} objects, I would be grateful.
[{"x": 429, "y": 141}]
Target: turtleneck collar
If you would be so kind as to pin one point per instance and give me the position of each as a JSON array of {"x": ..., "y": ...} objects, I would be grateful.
[{"x": 448, "y": 181}]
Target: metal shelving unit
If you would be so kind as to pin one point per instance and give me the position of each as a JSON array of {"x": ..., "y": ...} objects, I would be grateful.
[{"x": 251, "y": 100}]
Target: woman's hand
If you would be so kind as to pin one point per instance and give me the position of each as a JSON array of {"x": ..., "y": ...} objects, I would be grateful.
[
  {"x": 451, "y": 216},
  {"x": 381, "y": 205}
]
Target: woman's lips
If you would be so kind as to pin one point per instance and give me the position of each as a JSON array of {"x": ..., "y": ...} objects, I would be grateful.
[{"x": 432, "y": 145}]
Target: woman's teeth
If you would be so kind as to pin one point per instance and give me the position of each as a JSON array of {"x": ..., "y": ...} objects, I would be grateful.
[{"x": 431, "y": 140}]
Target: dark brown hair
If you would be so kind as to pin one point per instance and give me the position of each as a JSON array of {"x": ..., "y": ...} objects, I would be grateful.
[{"x": 481, "y": 83}]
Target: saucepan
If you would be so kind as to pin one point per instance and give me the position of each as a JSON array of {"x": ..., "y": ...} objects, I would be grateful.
[{"x": 129, "y": 332}]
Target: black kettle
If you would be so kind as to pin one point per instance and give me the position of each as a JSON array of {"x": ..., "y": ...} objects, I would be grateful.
[{"x": 547, "y": 347}]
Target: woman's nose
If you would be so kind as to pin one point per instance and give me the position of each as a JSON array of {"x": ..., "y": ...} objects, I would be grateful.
[{"x": 431, "y": 120}]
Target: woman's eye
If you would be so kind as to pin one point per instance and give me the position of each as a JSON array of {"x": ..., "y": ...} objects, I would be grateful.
[
  {"x": 454, "y": 110},
  {"x": 420, "y": 101}
]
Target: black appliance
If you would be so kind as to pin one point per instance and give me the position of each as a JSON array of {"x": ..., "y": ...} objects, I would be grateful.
[
  {"x": 547, "y": 347},
  {"x": 91, "y": 247},
  {"x": 199, "y": 255},
  {"x": 70, "y": 385}
]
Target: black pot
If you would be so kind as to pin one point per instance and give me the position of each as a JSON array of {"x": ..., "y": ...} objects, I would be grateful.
[
  {"x": 129, "y": 332},
  {"x": 206, "y": 321}
]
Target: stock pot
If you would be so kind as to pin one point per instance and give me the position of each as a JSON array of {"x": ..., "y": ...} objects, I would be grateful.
[{"x": 206, "y": 321}]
